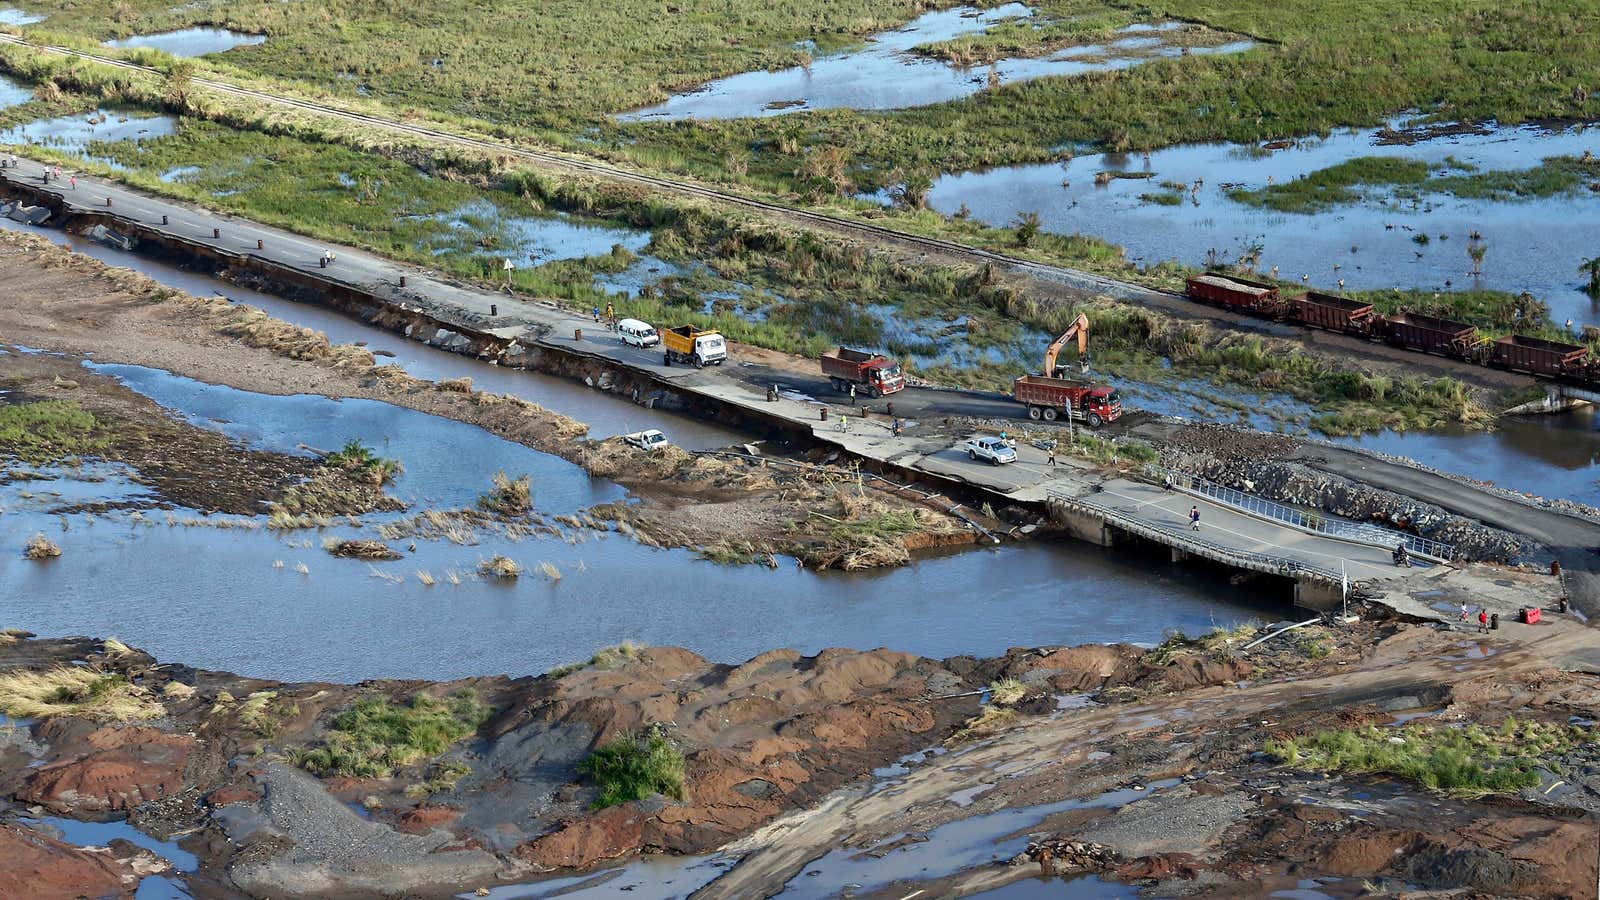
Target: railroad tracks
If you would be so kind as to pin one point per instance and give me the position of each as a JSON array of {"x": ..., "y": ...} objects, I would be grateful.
[{"x": 1059, "y": 274}]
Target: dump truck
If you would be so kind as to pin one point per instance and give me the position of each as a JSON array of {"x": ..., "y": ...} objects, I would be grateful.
[
  {"x": 689, "y": 344},
  {"x": 874, "y": 374},
  {"x": 1052, "y": 398}
]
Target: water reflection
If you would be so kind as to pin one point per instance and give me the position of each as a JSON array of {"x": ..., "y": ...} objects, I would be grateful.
[{"x": 198, "y": 41}]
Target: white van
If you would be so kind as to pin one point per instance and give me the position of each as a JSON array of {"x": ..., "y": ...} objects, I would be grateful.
[{"x": 637, "y": 333}]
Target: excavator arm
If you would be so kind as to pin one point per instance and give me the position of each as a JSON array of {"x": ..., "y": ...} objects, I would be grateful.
[{"x": 1078, "y": 329}]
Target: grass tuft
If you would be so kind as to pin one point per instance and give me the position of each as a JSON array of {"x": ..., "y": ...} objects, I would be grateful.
[
  {"x": 374, "y": 737},
  {"x": 83, "y": 692},
  {"x": 636, "y": 767},
  {"x": 41, "y": 547}
]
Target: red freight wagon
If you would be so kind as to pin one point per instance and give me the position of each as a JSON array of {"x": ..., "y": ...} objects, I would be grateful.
[
  {"x": 1415, "y": 331},
  {"x": 1235, "y": 292},
  {"x": 1536, "y": 355},
  {"x": 1332, "y": 313}
]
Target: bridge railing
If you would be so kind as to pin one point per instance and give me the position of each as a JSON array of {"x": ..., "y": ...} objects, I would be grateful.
[
  {"x": 1187, "y": 541},
  {"x": 1360, "y": 532}
]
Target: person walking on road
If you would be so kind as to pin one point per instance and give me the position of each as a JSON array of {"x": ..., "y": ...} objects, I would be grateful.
[
  {"x": 596, "y": 313},
  {"x": 1463, "y": 611},
  {"x": 1052, "y": 451},
  {"x": 74, "y": 182},
  {"x": 1194, "y": 518},
  {"x": 1483, "y": 620},
  {"x": 852, "y": 395}
]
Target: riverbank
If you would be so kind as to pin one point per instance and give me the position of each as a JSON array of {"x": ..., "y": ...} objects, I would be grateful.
[
  {"x": 72, "y": 304},
  {"x": 763, "y": 761}
]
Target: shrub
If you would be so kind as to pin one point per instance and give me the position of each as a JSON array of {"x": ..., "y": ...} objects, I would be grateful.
[
  {"x": 357, "y": 457},
  {"x": 1006, "y": 691},
  {"x": 374, "y": 736},
  {"x": 510, "y": 497},
  {"x": 635, "y": 767},
  {"x": 41, "y": 547},
  {"x": 500, "y": 567}
]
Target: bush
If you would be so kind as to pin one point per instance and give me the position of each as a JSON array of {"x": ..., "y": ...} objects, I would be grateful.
[
  {"x": 511, "y": 496},
  {"x": 374, "y": 736},
  {"x": 634, "y": 768},
  {"x": 357, "y": 457}
]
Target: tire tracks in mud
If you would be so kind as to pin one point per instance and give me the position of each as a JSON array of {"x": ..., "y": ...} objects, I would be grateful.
[{"x": 772, "y": 856}]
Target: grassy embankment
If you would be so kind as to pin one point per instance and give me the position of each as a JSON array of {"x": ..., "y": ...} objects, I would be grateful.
[
  {"x": 1471, "y": 760},
  {"x": 338, "y": 193}
]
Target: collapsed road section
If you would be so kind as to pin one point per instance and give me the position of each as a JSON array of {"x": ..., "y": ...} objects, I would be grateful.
[{"x": 912, "y": 433}]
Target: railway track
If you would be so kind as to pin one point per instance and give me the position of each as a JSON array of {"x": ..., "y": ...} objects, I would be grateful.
[
  {"x": 1183, "y": 303},
  {"x": 1060, "y": 274}
]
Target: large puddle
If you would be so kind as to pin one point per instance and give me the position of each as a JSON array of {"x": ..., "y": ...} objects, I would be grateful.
[
  {"x": 885, "y": 74},
  {"x": 10, "y": 15},
  {"x": 12, "y": 93},
  {"x": 75, "y": 133},
  {"x": 529, "y": 240},
  {"x": 1371, "y": 244},
  {"x": 198, "y": 41}
]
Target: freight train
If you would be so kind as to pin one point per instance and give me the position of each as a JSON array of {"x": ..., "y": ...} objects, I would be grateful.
[{"x": 1567, "y": 363}]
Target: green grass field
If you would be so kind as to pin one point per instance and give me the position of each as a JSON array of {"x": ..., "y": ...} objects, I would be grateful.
[{"x": 561, "y": 68}]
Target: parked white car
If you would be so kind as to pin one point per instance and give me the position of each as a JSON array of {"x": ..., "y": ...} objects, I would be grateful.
[
  {"x": 649, "y": 439},
  {"x": 993, "y": 449},
  {"x": 638, "y": 334}
]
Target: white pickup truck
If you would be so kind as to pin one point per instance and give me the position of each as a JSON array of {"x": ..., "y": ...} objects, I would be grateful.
[
  {"x": 995, "y": 450},
  {"x": 649, "y": 439}
]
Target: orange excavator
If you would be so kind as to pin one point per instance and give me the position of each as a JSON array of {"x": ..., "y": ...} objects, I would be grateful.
[{"x": 1078, "y": 329}]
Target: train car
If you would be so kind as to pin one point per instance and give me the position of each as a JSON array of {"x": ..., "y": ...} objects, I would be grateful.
[
  {"x": 1427, "y": 334},
  {"x": 1537, "y": 356},
  {"x": 1332, "y": 313},
  {"x": 1236, "y": 293}
]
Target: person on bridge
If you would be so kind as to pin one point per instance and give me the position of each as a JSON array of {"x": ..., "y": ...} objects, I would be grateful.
[
  {"x": 1194, "y": 518},
  {"x": 1052, "y": 451},
  {"x": 74, "y": 182}
]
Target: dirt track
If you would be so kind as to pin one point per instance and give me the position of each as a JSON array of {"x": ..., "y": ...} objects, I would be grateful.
[{"x": 1206, "y": 730}]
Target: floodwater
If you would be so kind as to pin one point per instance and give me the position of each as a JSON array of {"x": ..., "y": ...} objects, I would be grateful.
[
  {"x": 10, "y": 15},
  {"x": 234, "y": 598},
  {"x": 606, "y": 414},
  {"x": 13, "y": 93},
  {"x": 198, "y": 41},
  {"x": 1368, "y": 245},
  {"x": 447, "y": 463},
  {"x": 1548, "y": 455},
  {"x": 75, "y": 133},
  {"x": 886, "y": 75},
  {"x": 530, "y": 240}
]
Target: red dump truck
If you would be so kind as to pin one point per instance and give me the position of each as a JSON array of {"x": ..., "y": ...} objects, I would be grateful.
[
  {"x": 875, "y": 375},
  {"x": 1051, "y": 398}
]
